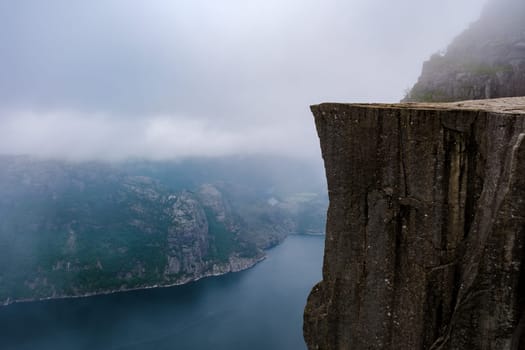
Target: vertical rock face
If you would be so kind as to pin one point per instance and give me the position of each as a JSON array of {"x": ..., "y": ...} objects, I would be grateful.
[{"x": 426, "y": 226}]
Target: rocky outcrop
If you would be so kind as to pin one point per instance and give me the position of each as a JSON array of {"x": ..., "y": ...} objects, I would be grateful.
[
  {"x": 188, "y": 239},
  {"x": 485, "y": 61},
  {"x": 426, "y": 227}
]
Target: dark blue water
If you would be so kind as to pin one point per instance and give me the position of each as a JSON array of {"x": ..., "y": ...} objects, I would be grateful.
[{"x": 260, "y": 308}]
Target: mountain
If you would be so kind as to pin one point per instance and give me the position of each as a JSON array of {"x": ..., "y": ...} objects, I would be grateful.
[
  {"x": 272, "y": 196},
  {"x": 71, "y": 229},
  {"x": 486, "y": 61}
]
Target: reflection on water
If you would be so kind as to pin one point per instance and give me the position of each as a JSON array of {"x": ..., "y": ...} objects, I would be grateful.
[{"x": 260, "y": 308}]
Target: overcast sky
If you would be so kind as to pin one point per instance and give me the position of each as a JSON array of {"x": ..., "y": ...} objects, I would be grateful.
[{"x": 111, "y": 79}]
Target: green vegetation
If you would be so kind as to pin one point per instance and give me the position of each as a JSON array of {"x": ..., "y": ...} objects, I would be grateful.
[
  {"x": 485, "y": 69},
  {"x": 73, "y": 229},
  {"x": 224, "y": 241}
]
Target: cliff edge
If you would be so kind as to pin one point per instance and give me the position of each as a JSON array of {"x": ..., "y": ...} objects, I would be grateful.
[{"x": 426, "y": 226}]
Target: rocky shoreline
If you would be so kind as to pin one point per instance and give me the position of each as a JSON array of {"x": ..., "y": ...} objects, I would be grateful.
[{"x": 236, "y": 264}]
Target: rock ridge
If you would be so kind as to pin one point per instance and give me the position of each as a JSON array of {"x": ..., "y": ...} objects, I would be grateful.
[{"x": 426, "y": 225}]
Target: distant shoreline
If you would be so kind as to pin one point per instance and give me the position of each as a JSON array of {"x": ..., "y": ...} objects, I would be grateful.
[{"x": 250, "y": 265}]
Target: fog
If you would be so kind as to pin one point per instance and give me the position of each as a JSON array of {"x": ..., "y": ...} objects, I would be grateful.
[{"x": 162, "y": 79}]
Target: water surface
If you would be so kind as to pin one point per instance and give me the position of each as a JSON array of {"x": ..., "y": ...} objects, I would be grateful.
[{"x": 260, "y": 308}]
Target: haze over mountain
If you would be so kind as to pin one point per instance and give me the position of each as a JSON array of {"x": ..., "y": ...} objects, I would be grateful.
[
  {"x": 204, "y": 106},
  {"x": 72, "y": 229},
  {"x": 485, "y": 61}
]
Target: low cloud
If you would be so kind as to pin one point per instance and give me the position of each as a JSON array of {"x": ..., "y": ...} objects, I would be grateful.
[
  {"x": 168, "y": 79},
  {"x": 76, "y": 136}
]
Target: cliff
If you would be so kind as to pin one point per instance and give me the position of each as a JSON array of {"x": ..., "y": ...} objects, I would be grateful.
[
  {"x": 486, "y": 61},
  {"x": 426, "y": 225}
]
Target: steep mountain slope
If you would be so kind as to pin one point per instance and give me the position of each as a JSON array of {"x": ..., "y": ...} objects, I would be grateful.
[
  {"x": 73, "y": 229},
  {"x": 70, "y": 229},
  {"x": 270, "y": 196},
  {"x": 485, "y": 61}
]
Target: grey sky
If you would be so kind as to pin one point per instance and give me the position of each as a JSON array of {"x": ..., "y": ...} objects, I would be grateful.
[{"x": 165, "y": 78}]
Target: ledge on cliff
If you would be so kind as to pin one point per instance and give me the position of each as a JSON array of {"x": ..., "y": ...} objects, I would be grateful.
[{"x": 426, "y": 227}]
